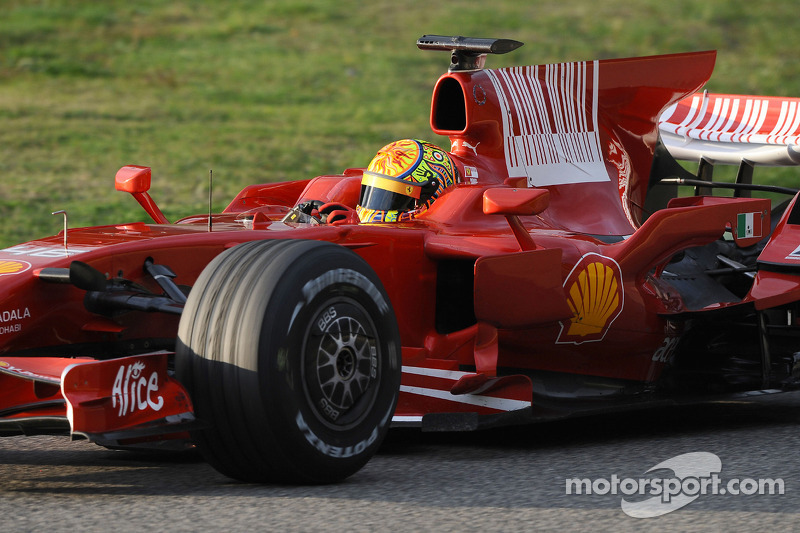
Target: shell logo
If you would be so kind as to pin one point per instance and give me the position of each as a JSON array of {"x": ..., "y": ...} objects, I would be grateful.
[
  {"x": 595, "y": 296},
  {"x": 13, "y": 267}
]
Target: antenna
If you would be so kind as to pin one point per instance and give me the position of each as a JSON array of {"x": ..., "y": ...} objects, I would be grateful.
[
  {"x": 210, "y": 190},
  {"x": 63, "y": 212}
]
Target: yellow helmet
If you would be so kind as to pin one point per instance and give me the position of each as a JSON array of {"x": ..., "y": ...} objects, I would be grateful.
[{"x": 404, "y": 179}]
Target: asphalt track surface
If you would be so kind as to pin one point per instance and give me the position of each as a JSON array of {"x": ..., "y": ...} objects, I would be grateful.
[{"x": 501, "y": 480}]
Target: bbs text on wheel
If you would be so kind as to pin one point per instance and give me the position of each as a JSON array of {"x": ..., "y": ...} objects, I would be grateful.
[{"x": 291, "y": 353}]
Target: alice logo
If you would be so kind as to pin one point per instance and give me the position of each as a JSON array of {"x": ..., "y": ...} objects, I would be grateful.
[{"x": 132, "y": 391}]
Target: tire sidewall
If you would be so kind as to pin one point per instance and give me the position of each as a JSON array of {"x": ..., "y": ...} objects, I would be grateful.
[{"x": 336, "y": 277}]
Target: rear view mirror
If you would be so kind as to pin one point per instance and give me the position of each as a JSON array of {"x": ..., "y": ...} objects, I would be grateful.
[
  {"x": 519, "y": 202},
  {"x": 514, "y": 203},
  {"x": 136, "y": 180},
  {"x": 133, "y": 179}
]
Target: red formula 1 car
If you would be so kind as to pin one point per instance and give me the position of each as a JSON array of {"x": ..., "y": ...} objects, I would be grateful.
[{"x": 542, "y": 267}]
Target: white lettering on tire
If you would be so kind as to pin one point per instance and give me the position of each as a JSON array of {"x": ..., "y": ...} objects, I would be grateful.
[
  {"x": 339, "y": 275},
  {"x": 337, "y": 451}
]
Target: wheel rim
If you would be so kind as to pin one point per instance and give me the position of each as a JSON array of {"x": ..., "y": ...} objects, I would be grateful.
[{"x": 341, "y": 363}]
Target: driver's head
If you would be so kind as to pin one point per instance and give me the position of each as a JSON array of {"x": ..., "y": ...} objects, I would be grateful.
[{"x": 403, "y": 180}]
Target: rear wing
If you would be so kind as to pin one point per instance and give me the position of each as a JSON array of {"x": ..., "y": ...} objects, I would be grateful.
[
  {"x": 713, "y": 129},
  {"x": 729, "y": 129}
]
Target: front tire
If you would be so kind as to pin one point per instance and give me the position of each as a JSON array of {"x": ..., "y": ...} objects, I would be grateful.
[{"x": 290, "y": 350}]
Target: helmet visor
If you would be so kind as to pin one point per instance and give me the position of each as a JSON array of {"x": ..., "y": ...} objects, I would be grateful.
[{"x": 386, "y": 193}]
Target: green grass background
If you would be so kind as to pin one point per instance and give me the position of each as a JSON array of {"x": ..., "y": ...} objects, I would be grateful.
[{"x": 263, "y": 91}]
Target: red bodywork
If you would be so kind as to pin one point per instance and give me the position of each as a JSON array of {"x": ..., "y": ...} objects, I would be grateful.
[{"x": 539, "y": 263}]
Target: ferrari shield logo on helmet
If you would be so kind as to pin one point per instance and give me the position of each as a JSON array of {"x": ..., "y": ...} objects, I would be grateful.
[{"x": 594, "y": 294}]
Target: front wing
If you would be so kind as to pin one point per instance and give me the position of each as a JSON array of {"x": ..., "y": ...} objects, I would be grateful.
[
  {"x": 135, "y": 400},
  {"x": 113, "y": 402}
]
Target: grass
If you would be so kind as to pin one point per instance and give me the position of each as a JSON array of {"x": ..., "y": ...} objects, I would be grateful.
[{"x": 288, "y": 89}]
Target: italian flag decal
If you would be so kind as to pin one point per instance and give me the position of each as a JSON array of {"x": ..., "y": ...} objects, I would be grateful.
[{"x": 748, "y": 225}]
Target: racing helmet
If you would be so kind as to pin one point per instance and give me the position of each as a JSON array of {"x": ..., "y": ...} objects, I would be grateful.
[{"x": 404, "y": 179}]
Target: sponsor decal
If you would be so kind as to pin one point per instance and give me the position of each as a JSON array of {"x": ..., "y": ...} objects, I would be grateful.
[
  {"x": 42, "y": 251},
  {"x": 748, "y": 225},
  {"x": 335, "y": 277},
  {"x": 8, "y": 367},
  {"x": 330, "y": 450},
  {"x": 550, "y": 126},
  {"x": 664, "y": 352},
  {"x": 795, "y": 254},
  {"x": 473, "y": 147},
  {"x": 478, "y": 94},
  {"x": 618, "y": 156},
  {"x": 338, "y": 451},
  {"x": 12, "y": 315},
  {"x": 13, "y": 267},
  {"x": 732, "y": 119},
  {"x": 132, "y": 391},
  {"x": 595, "y": 296},
  {"x": 471, "y": 173},
  {"x": 672, "y": 336},
  {"x": 13, "y": 328}
]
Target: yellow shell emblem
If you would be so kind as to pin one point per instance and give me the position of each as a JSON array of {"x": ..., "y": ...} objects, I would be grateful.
[
  {"x": 595, "y": 297},
  {"x": 13, "y": 267}
]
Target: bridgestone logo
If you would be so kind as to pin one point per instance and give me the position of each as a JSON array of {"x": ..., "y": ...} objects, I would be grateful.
[
  {"x": 346, "y": 276},
  {"x": 330, "y": 450},
  {"x": 338, "y": 451}
]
